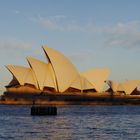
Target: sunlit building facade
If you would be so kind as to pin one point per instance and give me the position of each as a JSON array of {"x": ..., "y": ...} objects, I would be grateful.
[{"x": 57, "y": 75}]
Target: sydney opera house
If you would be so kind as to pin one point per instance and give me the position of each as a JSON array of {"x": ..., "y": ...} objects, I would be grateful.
[{"x": 58, "y": 76}]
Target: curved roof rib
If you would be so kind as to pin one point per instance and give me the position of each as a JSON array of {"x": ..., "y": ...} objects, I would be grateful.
[
  {"x": 44, "y": 73},
  {"x": 97, "y": 77},
  {"x": 65, "y": 72},
  {"x": 23, "y": 75}
]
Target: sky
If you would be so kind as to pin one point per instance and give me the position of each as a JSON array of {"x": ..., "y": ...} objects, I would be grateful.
[{"x": 91, "y": 33}]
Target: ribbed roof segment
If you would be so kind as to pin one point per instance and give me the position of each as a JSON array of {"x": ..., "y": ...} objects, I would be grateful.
[
  {"x": 130, "y": 85},
  {"x": 127, "y": 86},
  {"x": 65, "y": 71},
  {"x": 23, "y": 75},
  {"x": 97, "y": 77},
  {"x": 43, "y": 72},
  {"x": 82, "y": 83}
]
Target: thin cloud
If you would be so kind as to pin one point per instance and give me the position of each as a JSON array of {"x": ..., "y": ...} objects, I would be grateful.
[
  {"x": 120, "y": 35},
  {"x": 123, "y": 35},
  {"x": 63, "y": 24},
  {"x": 80, "y": 56},
  {"x": 83, "y": 56},
  {"x": 14, "y": 44},
  {"x": 16, "y": 11}
]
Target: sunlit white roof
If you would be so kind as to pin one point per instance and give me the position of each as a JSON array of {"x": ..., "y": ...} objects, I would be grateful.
[
  {"x": 97, "y": 77},
  {"x": 43, "y": 72},
  {"x": 65, "y": 71},
  {"x": 23, "y": 75}
]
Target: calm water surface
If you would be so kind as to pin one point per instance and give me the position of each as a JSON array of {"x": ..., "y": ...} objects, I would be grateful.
[{"x": 71, "y": 123}]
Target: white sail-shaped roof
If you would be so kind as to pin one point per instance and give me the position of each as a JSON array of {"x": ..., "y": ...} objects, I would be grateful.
[
  {"x": 120, "y": 87},
  {"x": 130, "y": 85},
  {"x": 82, "y": 83},
  {"x": 23, "y": 75},
  {"x": 97, "y": 77},
  {"x": 113, "y": 85},
  {"x": 44, "y": 73},
  {"x": 65, "y": 71}
]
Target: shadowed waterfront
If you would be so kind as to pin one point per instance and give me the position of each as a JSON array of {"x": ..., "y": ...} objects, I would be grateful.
[
  {"x": 72, "y": 122},
  {"x": 69, "y": 99}
]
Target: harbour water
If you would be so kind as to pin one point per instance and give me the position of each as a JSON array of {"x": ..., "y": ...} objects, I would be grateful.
[{"x": 71, "y": 123}]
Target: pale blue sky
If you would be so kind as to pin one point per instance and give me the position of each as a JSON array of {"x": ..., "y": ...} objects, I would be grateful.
[{"x": 92, "y": 33}]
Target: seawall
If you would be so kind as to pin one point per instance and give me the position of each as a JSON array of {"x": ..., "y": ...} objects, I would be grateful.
[{"x": 69, "y": 99}]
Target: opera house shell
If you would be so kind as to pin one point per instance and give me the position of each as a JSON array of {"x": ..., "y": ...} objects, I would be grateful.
[
  {"x": 127, "y": 87},
  {"x": 56, "y": 75}
]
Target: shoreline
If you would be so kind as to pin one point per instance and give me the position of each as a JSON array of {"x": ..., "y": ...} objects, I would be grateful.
[{"x": 68, "y": 99}]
